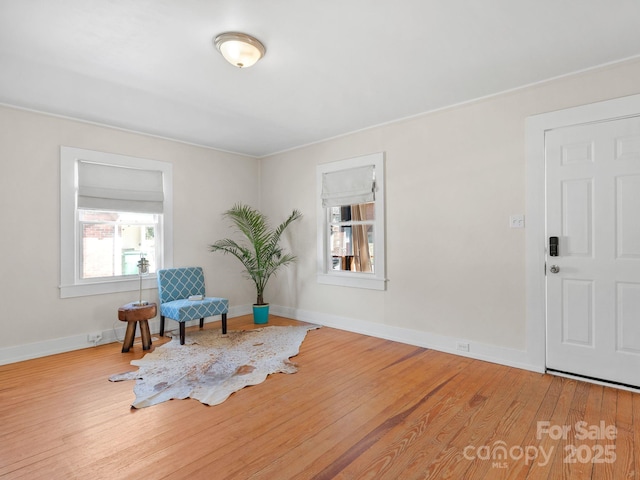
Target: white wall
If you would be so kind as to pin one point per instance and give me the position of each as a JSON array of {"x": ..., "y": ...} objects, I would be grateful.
[
  {"x": 453, "y": 177},
  {"x": 456, "y": 271},
  {"x": 34, "y": 319}
]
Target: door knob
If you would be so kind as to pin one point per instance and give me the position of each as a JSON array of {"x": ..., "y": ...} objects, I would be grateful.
[{"x": 554, "y": 268}]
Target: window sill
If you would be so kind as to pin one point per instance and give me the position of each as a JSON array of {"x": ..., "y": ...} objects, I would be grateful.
[
  {"x": 112, "y": 286},
  {"x": 352, "y": 280}
]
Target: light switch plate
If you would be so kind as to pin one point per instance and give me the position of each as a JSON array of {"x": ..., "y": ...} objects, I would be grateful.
[{"x": 516, "y": 221}]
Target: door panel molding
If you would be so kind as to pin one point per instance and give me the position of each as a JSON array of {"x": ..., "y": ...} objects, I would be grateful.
[{"x": 577, "y": 326}]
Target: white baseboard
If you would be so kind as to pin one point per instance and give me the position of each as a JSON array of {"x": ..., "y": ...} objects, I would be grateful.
[
  {"x": 44, "y": 348},
  {"x": 479, "y": 351}
]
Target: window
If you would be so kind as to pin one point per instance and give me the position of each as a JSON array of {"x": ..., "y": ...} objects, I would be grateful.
[
  {"x": 114, "y": 210},
  {"x": 351, "y": 222},
  {"x": 113, "y": 242}
]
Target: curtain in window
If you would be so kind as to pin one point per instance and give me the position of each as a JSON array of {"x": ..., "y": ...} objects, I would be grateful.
[
  {"x": 361, "y": 258},
  {"x": 120, "y": 189}
]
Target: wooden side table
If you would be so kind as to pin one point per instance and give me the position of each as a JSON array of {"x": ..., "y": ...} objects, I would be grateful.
[{"x": 134, "y": 313}]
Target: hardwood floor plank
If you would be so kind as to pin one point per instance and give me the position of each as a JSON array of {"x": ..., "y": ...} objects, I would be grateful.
[
  {"x": 524, "y": 468},
  {"x": 340, "y": 443},
  {"x": 512, "y": 429},
  {"x": 375, "y": 435},
  {"x": 623, "y": 467},
  {"x": 414, "y": 448},
  {"x": 478, "y": 427},
  {"x": 329, "y": 423},
  {"x": 414, "y": 445},
  {"x": 549, "y": 462},
  {"x": 605, "y": 470},
  {"x": 582, "y": 408},
  {"x": 561, "y": 464},
  {"x": 359, "y": 407},
  {"x": 636, "y": 435}
]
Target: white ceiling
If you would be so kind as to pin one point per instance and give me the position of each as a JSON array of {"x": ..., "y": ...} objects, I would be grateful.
[{"x": 332, "y": 66}]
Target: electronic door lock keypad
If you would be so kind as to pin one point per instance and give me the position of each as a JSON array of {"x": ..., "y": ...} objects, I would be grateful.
[{"x": 553, "y": 246}]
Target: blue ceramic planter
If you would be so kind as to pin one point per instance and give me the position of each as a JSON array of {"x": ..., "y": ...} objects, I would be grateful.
[{"x": 260, "y": 314}]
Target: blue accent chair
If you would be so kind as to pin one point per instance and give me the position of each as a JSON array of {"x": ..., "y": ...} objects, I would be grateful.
[{"x": 175, "y": 286}]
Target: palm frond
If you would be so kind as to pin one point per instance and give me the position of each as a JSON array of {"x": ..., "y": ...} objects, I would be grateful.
[{"x": 262, "y": 255}]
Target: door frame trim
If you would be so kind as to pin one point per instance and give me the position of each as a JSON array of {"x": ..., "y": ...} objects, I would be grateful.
[{"x": 535, "y": 235}]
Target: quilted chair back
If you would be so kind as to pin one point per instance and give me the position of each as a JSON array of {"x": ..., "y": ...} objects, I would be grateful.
[{"x": 180, "y": 283}]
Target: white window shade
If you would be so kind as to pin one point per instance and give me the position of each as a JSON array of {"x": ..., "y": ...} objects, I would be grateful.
[
  {"x": 121, "y": 189},
  {"x": 348, "y": 187}
]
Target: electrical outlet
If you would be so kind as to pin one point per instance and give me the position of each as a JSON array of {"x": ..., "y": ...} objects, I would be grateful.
[
  {"x": 463, "y": 347},
  {"x": 94, "y": 338}
]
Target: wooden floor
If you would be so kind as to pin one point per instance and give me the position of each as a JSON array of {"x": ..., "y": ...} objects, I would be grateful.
[{"x": 358, "y": 408}]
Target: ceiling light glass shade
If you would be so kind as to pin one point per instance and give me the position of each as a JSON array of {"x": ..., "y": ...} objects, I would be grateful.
[{"x": 239, "y": 49}]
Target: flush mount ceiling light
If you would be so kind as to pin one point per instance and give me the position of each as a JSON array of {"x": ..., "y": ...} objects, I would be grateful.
[{"x": 239, "y": 49}]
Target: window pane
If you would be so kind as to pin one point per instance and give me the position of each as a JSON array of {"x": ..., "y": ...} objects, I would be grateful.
[
  {"x": 341, "y": 241},
  {"x": 348, "y": 213},
  {"x": 113, "y": 242},
  {"x": 352, "y": 248}
]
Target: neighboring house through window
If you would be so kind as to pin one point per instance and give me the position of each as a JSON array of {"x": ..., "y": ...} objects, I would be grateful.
[
  {"x": 114, "y": 210},
  {"x": 351, "y": 222}
]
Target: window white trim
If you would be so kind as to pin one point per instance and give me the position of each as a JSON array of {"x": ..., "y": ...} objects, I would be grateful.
[
  {"x": 69, "y": 284},
  {"x": 376, "y": 280}
]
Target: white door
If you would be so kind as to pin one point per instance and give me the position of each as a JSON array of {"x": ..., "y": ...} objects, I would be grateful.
[{"x": 593, "y": 285}]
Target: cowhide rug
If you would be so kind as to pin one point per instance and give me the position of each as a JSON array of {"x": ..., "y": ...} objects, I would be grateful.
[{"x": 210, "y": 366}]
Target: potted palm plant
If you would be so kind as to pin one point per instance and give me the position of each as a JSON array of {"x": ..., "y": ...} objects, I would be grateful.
[{"x": 259, "y": 252}]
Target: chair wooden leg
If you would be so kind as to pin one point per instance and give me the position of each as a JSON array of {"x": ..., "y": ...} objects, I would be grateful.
[
  {"x": 129, "y": 336},
  {"x": 224, "y": 323},
  {"x": 162, "y": 325},
  {"x": 182, "y": 333},
  {"x": 201, "y": 322}
]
